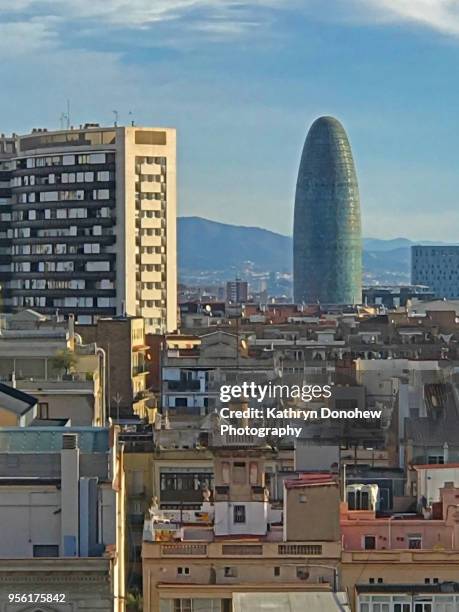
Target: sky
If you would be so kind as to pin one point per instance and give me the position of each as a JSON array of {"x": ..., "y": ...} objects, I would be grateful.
[{"x": 242, "y": 81}]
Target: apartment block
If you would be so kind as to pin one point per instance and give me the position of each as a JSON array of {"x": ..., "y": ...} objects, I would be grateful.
[
  {"x": 213, "y": 559},
  {"x": 437, "y": 267},
  {"x": 88, "y": 223},
  {"x": 42, "y": 356},
  {"x": 123, "y": 342},
  {"x": 62, "y": 508}
]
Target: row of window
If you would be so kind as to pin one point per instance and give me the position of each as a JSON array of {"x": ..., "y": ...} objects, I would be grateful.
[
  {"x": 153, "y": 250},
  {"x": 152, "y": 303},
  {"x": 149, "y": 214},
  {"x": 191, "y": 481},
  {"x": 151, "y": 178},
  {"x": 61, "y": 266},
  {"x": 408, "y": 603},
  {"x": 64, "y": 196},
  {"x": 61, "y": 213},
  {"x": 150, "y": 196},
  {"x": 195, "y": 605},
  {"x": 414, "y": 541},
  {"x": 149, "y": 161},
  {"x": 42, "y": 284},
  {"x": 151, "y": 231},
  {"x": 56, "y": 249},
  {"x": 151, "y": 267},
  {"x": 69, "y": 302},
  {"x": 64, "y": 177},
  {"x": 61, "y": 232},
  {"x": 232, "y": 572},
  {"x": 65, "y": 160}
]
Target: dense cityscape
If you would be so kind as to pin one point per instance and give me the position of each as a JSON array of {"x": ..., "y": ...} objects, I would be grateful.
[
  {"x": 136, "y": 471},
  {"x": 126, "y": 483}
]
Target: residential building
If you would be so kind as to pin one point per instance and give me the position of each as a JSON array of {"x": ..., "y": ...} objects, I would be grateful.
[
  {"x": 41, "y": 355},
  {"x": 403, "y": 562},
  {"x": 194, "y": 368},
  {"x": 88, "y": 223},
  {"x": 235, "y": 544},
  {"x": 124, "y": 343},
  {"x": 62, "y": 511},
  {"x": 237, "y": 291}
]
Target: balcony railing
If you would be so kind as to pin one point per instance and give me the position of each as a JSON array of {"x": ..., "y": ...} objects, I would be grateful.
[{"x": 179, "y": 550}]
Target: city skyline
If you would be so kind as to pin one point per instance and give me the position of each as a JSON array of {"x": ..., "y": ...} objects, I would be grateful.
[{"x": 242, "y": 82}]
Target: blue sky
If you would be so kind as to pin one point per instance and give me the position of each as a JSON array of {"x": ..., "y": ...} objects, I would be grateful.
[{"x": 242, "y": 81}]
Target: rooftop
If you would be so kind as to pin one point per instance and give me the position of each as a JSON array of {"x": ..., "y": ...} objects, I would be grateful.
[{"x": 49, "y": 439}]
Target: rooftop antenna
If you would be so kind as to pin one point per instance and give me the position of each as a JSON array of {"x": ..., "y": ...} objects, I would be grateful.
[
  {"x": 131, "y": 117},
  {"x": 115, "y": 112},
  {"x": 64, "y": 119}
]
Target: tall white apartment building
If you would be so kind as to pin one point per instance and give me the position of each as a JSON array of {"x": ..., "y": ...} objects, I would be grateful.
[{"x": 88, "y": 223}]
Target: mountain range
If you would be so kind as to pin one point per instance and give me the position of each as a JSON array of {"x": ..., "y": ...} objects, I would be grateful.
[{"x": 211, "y": 249}]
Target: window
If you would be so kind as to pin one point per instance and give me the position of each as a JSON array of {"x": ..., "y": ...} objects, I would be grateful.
[
  {"x": 369, "y": 542},
  {"x": 239, "y": 514},
  {"x": 100, "y": 194},
  {"x": 277, "y": 571},
  {"x": 97, "y": 158},
  {"x": 230, "y": 572},
  {"x": 183, "y": 571},
  {"x": 436, "y": 459},
  {"x": 45, "y": 550},
  {"x": 182, "y": 605},
  {"x": 415, "y": 542}
]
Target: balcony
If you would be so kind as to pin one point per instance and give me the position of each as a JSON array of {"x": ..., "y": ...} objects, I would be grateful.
[
  {"x": 183, "y": 385},
  {"x": 181, "y": 497},
  {"x": 207, "y": 547}
]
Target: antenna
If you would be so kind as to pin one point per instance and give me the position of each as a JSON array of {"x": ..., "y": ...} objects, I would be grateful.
[
  {"x": 115, "y": 112},
  {"x": 64, "y": 119},
  {"x": 131, "y": 118}
]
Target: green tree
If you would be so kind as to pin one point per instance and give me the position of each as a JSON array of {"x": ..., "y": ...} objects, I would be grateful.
[{"x": 64, "y": 360}]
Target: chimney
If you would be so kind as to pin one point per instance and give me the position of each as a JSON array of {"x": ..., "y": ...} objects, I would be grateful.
[
  {"x": 70, "y": 475},
  {"x": 445, "y": 453}
]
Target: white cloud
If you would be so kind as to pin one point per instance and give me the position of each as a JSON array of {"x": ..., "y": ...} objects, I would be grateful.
[
  {"x": 440, "y": 15},
  {"x": 137, "y": 13},
  {"x": 25, "y": 37},
  {"x": 214, "y": 18}
]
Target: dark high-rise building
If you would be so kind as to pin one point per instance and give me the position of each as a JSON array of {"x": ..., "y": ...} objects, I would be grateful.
[{"x": 327, "y": 241}]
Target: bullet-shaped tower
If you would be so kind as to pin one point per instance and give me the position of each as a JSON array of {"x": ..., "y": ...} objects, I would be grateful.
[{"x": 327, "y": 235}]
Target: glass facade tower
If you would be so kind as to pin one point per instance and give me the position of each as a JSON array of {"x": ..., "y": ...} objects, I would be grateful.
[{"x": 327, "y": 236}]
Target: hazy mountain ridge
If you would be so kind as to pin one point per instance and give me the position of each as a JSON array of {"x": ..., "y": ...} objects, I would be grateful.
[{"x": 205, "y": 245}]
